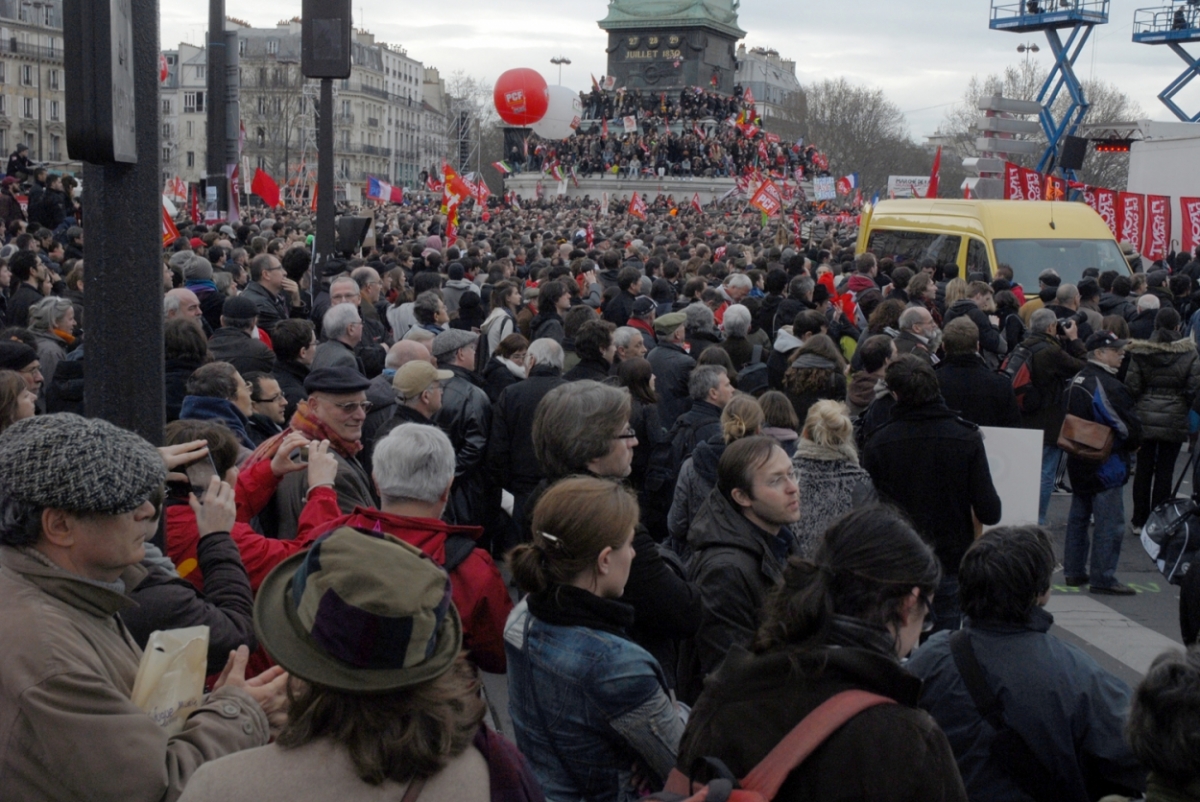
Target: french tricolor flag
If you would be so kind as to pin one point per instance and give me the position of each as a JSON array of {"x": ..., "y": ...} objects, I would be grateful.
[{"x": 383, "y": 191}]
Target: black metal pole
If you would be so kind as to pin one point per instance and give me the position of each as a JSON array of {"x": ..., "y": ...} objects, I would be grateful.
[
  {"x": 326, "y": 191},
  {"x": 214, "y": 162},
  {"x": 123, "y": 380}
]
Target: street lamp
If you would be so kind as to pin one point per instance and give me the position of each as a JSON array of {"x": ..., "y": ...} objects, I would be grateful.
[
  {"x": 1027, "y": 48},
  {"x": 560, "y": 60},
  {"x": 38, "y": 5}
]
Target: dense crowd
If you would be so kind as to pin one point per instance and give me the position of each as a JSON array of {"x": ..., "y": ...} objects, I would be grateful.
[
  {"x": 685, "y": 480},
  {"x": 692, "y": 134}
]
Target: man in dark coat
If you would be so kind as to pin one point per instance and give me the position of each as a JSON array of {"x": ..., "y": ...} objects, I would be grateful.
[
  {"x": 1064, "y": 706},
  {"x": 10, "y": 207},
  {"x": 672, "y": 366},
  {"x": 619, "y": 309},
  {"x": 1096, "y": 395},
  {"x": 27, "y": 274},
  {"x": 992, "y": 345},
  {"x": 1055, "y": 359},
  {"x": 1141, "y": 325},
  {"x": 510, "y": 457},
  {"x": 265, "y": 289},
  {"x": 594, "y": 344},
  {"x": 466, "y": 417},
  {"x": 295, "y": 345},
  {"x": 740, "y": 543},
  {"x": 235, "y": 343},
  {"x": 932, "y": 464},
  {"x": 977, "y": 394}
]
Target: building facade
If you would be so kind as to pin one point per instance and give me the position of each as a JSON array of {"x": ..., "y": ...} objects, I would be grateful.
[
  {"x": 32, "y": 98},
  {"x": 383, "y": 126},
  {"x": 771, "y": 78}
]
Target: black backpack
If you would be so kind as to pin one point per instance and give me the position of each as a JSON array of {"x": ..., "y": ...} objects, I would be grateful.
[
  {"x": 662, "y": 472},
  {"x": 752, "y": 378},
  {"x": 1018, "y": 369}
]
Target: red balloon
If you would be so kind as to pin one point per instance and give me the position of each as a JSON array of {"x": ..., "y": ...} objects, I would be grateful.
[{"x": 520, "y": 97}]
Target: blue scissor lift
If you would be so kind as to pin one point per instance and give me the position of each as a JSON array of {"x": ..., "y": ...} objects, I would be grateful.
[
  {"x": 1051, "y": 17},
  {"x": 1174, "y": 26}
]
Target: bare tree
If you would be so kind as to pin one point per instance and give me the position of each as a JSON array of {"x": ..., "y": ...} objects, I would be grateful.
[
  {"x": 861, "y": 131},
  {"x": 1023, "y": 81}
]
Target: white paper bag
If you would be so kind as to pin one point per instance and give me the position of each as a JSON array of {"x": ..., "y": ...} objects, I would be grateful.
[{"x": 170, "y": 679}]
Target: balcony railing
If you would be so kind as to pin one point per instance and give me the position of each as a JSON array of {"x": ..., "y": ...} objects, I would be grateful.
[{"x": 13, "y": 45}]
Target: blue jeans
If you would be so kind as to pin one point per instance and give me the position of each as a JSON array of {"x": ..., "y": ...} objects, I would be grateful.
[
  {"x": 1108, "y": 508},
  {"x": 1050, "y": 458}
]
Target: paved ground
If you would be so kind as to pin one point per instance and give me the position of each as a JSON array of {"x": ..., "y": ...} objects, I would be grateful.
[{"x": 1123, "y": 633}]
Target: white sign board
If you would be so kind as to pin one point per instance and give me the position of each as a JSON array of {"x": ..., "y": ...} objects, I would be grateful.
[
  {"x": 1015, "y": 460},
  {"x": 901, "y": 186},
  {"x": 825, "y": 188}
]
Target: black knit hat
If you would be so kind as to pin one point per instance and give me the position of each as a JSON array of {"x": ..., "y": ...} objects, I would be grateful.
[
  {"x": 16, "y": 356},
  {"x": 82, "y": 465}
]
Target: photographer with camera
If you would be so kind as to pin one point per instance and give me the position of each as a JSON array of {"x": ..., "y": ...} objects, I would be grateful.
[
  {"x": 1066, "y": 307},
  {"x": 19, "y": 164},
  {"x": 1056, "y": 354}
]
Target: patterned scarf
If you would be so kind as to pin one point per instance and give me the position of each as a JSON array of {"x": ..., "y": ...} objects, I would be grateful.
[{"x": 314, "y": 428}]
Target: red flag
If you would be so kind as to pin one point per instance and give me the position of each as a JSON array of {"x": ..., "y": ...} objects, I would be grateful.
[
  {"x": 265, "y": 187},
  {"x": 591, "y": 235},
  {"x": 1190, "y": 217},
  {"x": 637, "y": 206},
  {"x": 454, "y": 184},
  {"x": 1158, "y": 227},
  {"x": 1014, "y": 184},
  {"x": 748, "y": 97},
  {"x": 1131, "y": 218},
  {"x": 194, "y": 204},
  {"x": 935, "y": 175},
  {"x": 164, "y": 71},
  {"x": 170, "y": 231},
  {"x": 1106, "y": 207},
  {"x": 313, "y": 205},
  {"x": 604, "y": 127},
  {"x": 768, "y": 199},
  {"x": 1033, "y": 183},
  {"x": 699, "y": 207}
]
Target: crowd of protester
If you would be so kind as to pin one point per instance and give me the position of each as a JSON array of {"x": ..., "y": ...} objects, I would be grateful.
[
  {"x": 691, "y": 133},
  {"x": 684, "y": 480}
]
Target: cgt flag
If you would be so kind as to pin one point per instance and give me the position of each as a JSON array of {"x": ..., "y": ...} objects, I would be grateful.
[
  {"x": 1131, "y": 218},
  {"x": 170, "y": 231},
  {"x": 637, "y": 206},
  {"x": 1189, "y": 209},
  {"x": 1157, "y": 240}
]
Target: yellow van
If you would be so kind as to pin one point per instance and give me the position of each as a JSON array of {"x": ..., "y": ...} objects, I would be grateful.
[{"x": 978, "y": 235}]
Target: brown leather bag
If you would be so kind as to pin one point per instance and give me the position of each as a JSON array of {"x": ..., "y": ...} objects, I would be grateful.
[{"x": 1086, "y": 439}]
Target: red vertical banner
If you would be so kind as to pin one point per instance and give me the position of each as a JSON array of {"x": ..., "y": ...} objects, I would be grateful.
[
  {"x": 1189, "y": 209},
  {"x": 1157, "y": 238},
  {"x": 1014, "y": 186},
  {"x": 1033, "y": 183},
  {"x": 1131, "y": 218},
  {"x": 1089, "y": 197},
  {"x": 1106, "y": 207}
]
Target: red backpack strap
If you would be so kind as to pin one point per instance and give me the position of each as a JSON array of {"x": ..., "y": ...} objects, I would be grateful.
[{"x": 769, "y": 775}]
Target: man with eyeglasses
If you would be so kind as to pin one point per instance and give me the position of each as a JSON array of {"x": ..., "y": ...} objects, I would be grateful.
[
  {"x": 334, "y": 410},
  {"x": 269, "y": 403},
  {"x": 466, "y": 417},
  {"x": 740, "y": 542},
  {"x": 931, "y": 464}
]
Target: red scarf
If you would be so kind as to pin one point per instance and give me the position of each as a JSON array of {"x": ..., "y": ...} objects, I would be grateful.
[{"x": 312, "y": 427}]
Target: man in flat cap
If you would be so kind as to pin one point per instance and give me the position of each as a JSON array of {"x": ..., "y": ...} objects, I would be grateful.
[
  {"x": 78, "y": 499},
  {"x": 335, "y": 410},
  {"x": 466, "y": 417}
]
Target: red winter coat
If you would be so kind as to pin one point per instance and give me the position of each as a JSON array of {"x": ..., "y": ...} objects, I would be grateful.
[
  {"x": 255, "y": 487},
  {"x": 476, "y": 587}
]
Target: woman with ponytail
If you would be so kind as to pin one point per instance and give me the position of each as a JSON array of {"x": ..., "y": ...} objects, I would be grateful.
[
  {"x": 741, "y": 417},
  {"x": 831, "y": 481},
  {"x": 840, "y": 621},
  {"x": 588, "y": 705}
]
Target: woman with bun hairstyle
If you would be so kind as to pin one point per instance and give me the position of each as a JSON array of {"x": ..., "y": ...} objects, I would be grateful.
[
  {"x": 741, "y": 417},
  {"x": 840, "y": 621},
  {"x": 831, "y": 481},
  {"x": 587, "y": 703}
]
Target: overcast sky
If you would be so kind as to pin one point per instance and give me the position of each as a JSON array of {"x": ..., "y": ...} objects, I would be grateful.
[{"x": 920, "y": 53}]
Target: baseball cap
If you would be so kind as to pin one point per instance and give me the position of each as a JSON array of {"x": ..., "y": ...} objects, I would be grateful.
[{"x": 414, "y": 378}]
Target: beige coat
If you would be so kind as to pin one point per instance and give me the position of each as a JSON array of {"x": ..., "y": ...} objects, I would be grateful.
[
  {"x": 321, "y": 771},
  {"x": 68, "y": 730}
]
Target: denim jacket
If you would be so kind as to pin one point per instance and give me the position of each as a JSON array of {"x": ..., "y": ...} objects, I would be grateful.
[{"x": 586, "y": 705}]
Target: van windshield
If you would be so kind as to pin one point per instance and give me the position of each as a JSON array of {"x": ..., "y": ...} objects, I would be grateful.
[
  {"x": 915, "y": 245},
  {"x": 1067, "y": 257}
]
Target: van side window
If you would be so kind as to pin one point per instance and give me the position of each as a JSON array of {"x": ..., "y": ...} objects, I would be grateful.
[
  {"x": 915, "y": 245},
  {"x": 977, "y": 258}
]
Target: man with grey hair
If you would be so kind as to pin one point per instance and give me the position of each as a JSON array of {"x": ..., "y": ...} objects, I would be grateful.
[
  {"x": 1141, "y": 325},
  {"x": 358, "y": 288},
  {"x": 414, "y": 470},
  {"x": 342, "y": 327},
  {"x": 630, "y": 344},
  {"x": 919, "y": 334},
  {"x": 510, "y": 459},
  {"x": 1053, "y": 359},
  {"x": 701, "y": 329},
  {"x": 466, "y": 417},
  {"x": 382, "y": 392},
  {"x": 1066, "y": 305},
  {"x": 183, "y": 304}
]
